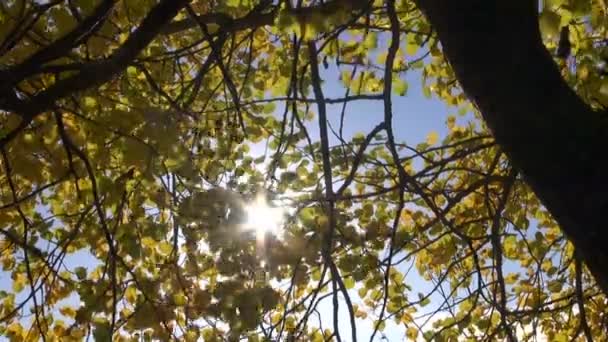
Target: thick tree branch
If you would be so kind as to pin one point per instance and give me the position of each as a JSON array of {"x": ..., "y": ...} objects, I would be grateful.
[
  {"x": 64, "y": 44},
  {"x": 262, "y": 15},
  {"x": 98, "y": 72},
  {"x": 228, "y": 24},
  {"x": 547, "y": 131}
]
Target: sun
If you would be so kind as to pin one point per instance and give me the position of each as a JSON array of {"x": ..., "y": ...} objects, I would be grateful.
[{"x": 263, "y": 218}]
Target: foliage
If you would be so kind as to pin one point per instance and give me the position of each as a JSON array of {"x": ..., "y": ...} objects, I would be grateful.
[{"x": 126, "y": 130}]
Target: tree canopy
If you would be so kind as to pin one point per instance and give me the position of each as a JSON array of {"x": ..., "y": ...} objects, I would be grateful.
[{"x": 127, "y": 130}]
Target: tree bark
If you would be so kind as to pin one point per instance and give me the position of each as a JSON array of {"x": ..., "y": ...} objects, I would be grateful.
[{"x": 555, "y": 139}]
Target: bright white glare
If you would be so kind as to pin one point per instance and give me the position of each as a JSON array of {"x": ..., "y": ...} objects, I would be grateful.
[{"x": 263, "y": 218}]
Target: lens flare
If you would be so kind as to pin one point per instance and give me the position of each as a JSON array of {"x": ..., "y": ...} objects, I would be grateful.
[{"x": 264, "y": 218}]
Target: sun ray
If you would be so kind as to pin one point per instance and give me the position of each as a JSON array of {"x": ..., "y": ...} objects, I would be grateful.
[{"x": 264, "y": 218}]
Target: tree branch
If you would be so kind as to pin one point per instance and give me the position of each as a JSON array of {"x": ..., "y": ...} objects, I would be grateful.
[
  {"x": 548, "y": 132},
  {"x": 61, "y": 46},
  {"x": 97, "y": 72}
]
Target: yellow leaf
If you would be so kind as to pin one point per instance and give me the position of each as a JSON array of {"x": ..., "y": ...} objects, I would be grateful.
[
  {"x": 19, "y": 282},
  {"x": 131, "y": 294},
  {"x": 276, "y": 318},
  {"x": 290, "y": 323},
  {"x": 90, "y": 102},
  {"x": 209, "y": 334},
  {"x": 15, "y": 330},
  {"x": 59, "y": 328},
  {"x": 360, "y": 314},
  {"x": 148, "y": 242},
  {"x": 77, "y": 333},
  {"x": 68, "y": 311},
  {"x": 412, "y": 333},
  {"x": 165, "y": 248},
  {"x": 432, "y": 138},
  {"x": 180, "y": 299},
  {"x": 191, "y": 336},
  {"x": 411, "y": 48}
]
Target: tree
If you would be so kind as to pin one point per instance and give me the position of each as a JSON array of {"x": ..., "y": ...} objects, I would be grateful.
[
  {"x": 568, "y": 177},
  {"x": 126, "y": 133}
]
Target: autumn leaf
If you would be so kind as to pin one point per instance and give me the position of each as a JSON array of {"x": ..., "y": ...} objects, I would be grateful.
[{"x": 432, "y": 138}]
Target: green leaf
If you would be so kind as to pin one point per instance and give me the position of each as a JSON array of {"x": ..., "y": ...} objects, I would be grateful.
[
  {"x": 549, "y": 22},
  {"x": 179, "y": 298},
  {"x": 289, "y": 176},
  {"x": 426, "y": 91},
  {"x": 80, "y": 272},
  {"x": 102, "y": 332},
  {"x": 510, "y": 247},
  {"x": 555, "y": 286},
  {"x": 349, "y": 282}
]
